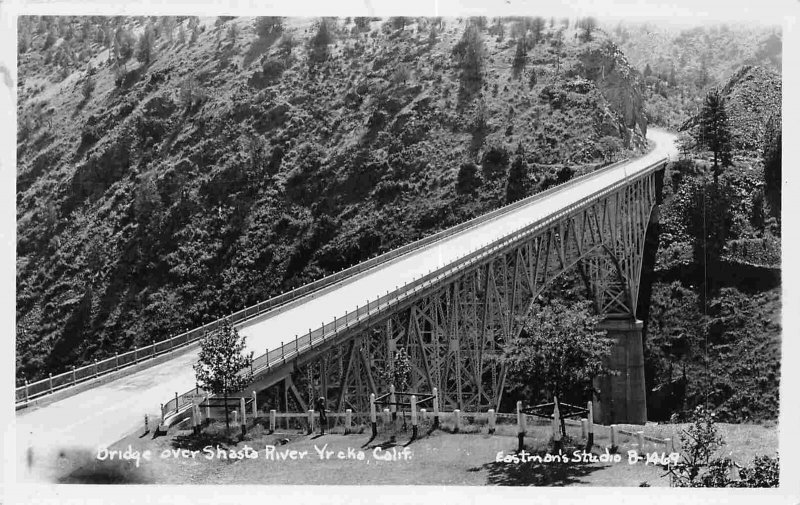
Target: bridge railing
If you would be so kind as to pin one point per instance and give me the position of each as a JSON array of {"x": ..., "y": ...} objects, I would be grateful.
[
  {"x": 54, "y": 383},
  {"x": 375, "y": 308}
]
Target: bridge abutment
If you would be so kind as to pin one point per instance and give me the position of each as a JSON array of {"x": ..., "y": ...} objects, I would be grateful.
[{"x": 620, "y": 398}]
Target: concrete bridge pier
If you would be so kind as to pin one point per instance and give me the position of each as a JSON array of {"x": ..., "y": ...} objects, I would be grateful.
[{"x": 620, "y": 398}]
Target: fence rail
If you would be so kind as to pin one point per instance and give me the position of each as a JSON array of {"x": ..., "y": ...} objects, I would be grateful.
[
  {"x": 377, "y": 308},
  {"x": 303, "y": 420}
]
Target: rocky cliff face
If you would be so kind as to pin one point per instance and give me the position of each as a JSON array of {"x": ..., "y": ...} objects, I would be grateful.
[
  {"x": 752, "y": 95},
  {"x": 605, "y": 64}
]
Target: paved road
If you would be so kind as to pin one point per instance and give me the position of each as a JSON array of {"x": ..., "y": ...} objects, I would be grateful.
[{"x": 48, "y": 436}]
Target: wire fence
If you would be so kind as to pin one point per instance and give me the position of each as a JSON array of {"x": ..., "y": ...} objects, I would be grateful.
[{"x": 390, "y": 302}]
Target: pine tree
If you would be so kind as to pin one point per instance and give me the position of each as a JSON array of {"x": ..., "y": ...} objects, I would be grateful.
[
  {"x": 517, "y": 182},
  {"x": 519, "y": 56},
  {"x": 433, "y": 35},
  {"x": 222, "y": 368},
  {"x": 537, "y": 25},
  {"x": 469, "y": 53},
  {"x": 318, "y": 44},
  {"x": 144, "y": 48},
  {"x": 587, "y": 26},
  {"x": 468, "y": 179},
  {"x": 714, "y": 131}
]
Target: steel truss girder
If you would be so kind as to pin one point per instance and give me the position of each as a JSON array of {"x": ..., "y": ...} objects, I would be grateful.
[{"x": 454, "y": 331}]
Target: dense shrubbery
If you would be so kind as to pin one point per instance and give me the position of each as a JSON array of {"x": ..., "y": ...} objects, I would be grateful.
[
  {"x": 701, "y": 466},
  {"x": 558, "y": 352},
  {"x": 708, "y": 317}
]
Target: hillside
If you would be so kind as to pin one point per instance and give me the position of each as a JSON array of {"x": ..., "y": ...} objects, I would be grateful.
[
  {"x": 172, "y": 170},
  {"x": 680, "y": 65},
  {"x": 752, "y": 96}
]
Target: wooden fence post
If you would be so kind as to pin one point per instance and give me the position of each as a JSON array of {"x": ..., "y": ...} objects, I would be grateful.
[
  {"x": 50, "y": 381},
  {"x": 392, "y": 402},
  {"x": 556, "y": 425},
  {"x": 435, "y": 408},
  {"x": 423, "y": 415},
  {"x": 492, "y": 421},
  {"x": 584, "y": 428},
  {"x": 74, "y": 377},
  {"x": 198, "y": 413},
  {"x": 457, "y": 420},
  {"x": 255, "y": 408},
  {"x": 243, "y": 408},
  {"x": 235, "y": 416},
  {"x": 208, "y": 410},
  {"x": 413, "y": 417},
  {"x": 386, "y": 418},
  {"x": 667, "y": 444},
  {"x": 520, "y": 427},
  {"x": 640, "y": 441},
  {"x": 26, "y": 384},
  {"x": 590, "y": 441},
  {"x": 373, "y": 418},
  {"x": 272, "y": 420},
  {"x": 310, "y": 421},
  {"x": 348, "y": 420},
  {"x": 613, "y": 430}
]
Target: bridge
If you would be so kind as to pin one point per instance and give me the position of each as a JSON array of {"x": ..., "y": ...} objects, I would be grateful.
[{"x": 451, "y": 300}]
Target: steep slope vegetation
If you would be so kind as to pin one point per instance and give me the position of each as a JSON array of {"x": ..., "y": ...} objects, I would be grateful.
[
  {"x": 679, "y": 65},
  {"x": 714, "y": 332},
  {"x": 752, "y": 96},
  {"x": 213, "y": 163}
]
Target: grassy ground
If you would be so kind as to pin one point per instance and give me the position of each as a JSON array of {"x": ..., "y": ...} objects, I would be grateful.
[{"x": 435, "y": 458}]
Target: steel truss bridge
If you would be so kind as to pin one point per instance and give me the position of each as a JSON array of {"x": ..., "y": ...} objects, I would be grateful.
[{"x": 454, "y": 320}]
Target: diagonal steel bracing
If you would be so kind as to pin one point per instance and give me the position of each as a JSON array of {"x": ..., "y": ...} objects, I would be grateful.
[{"x": 454, "y": 330}]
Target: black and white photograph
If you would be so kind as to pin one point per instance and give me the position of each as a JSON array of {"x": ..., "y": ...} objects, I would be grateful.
[{"x": 495, "y": 245}]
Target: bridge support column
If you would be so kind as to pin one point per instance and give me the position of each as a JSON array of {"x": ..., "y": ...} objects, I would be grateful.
[{"x": 620, "y": 398}]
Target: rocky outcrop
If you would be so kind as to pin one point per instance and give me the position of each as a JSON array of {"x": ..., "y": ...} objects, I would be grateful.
[
  {"x": 603, "y": 62},
  {"x": 752, "y": 95}
]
